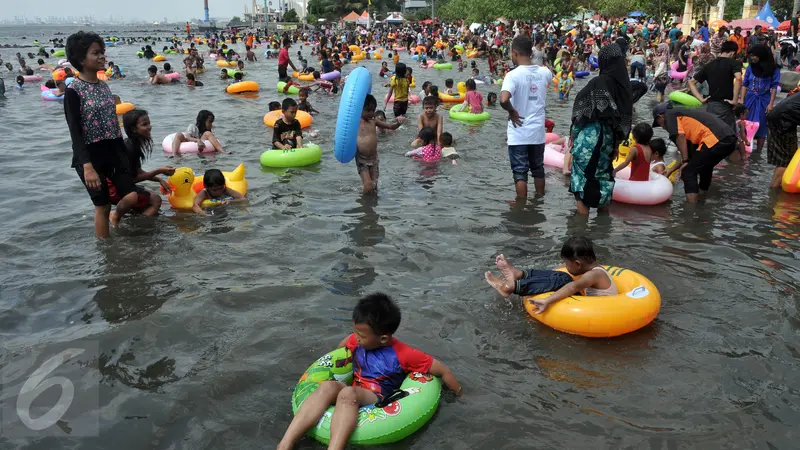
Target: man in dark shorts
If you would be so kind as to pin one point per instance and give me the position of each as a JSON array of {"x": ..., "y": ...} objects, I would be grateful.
[
  {"x": 284, "y": 61},
  {"x": 724, "y": 78}
]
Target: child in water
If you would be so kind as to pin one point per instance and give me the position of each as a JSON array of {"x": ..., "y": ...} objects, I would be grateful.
[
  {"x": 191, "y": 81},
  {"x": 155, "y": 77},
  {"x": 579, "y": 260},
  {"x": 491, "y": 99},
  {"x": 399, "y": 86},
  {"x": 287, "y": 133},
  {"x": 565, "y": 84},
  {"x": 367, "y": 144},
  {"x": 381, "y": 363},
  {"x": 429, "y": 118},
  {"x": 448, "y": 151},
  {"x": 214, "y": 190},
  {"x": 740, "y": 112},
  {"x": 303, "y": 104},
  {"x": 167, "y": 69},
  {"x": 657, "y": 164},
  {"x": 473, "y": 99},
  {"x": 430, "y": 150},
  {"x": 639, "y": 155},
  {"x": 448, "y": 88},
  {"x": 198, "y": 132},
  {"x": 20, "y": 82}
]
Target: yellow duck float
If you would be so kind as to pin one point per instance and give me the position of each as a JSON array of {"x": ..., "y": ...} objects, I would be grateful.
[{"x": 185, "y": 186}]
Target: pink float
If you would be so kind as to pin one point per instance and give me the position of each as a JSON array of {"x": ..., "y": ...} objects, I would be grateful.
[
  {"x": 553, "y": 155},
  {"x": 658, "y": 189},
  {"x": 186, "y": 147},
  {"x": 675, "y": 75},
  {"x": 330, "y": 76},
  {"x": 173, "y": 76},
  {"x": 412, "y": 99},
  {"x": 750, "y": 128},
  {"x": 550, "y": 137},
  {"x": 32, "y": 78}
]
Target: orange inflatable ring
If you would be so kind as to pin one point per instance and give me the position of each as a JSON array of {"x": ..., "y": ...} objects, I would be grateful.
[
  {"x": 124, "y": 107},
  {"x": 101, "y": 75},
  {"x": 59, "y": 75},
  {"x": 159, "y": 58},
  {"x": 303, "y": 117},
  {"x": 303, "y": 76},
  {"x": 421, "y": 50},
  {"x": 242, "y": 86}
]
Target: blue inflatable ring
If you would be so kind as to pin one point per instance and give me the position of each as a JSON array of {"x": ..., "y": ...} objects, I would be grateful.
[
  {"x": 358, "y": 85},
  {"x": 593, "y": 61},
  {"x": 581, "y": 74}
]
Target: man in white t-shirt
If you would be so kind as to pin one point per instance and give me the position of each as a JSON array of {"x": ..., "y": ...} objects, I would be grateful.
[{"x": 524, "y": 95}]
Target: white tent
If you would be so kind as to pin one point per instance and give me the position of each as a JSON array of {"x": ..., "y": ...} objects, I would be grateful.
[{"x": 395, "y": 18}]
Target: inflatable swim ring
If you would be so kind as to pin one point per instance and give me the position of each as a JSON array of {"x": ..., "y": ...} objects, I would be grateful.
[
  {"x": 412, "y": 99},
  {"x": 330, "y": 76},
  {"x": 684, "y": 99},
  {"x": 159, "y": 58},
  {"x": 232, "y": 72},
  {"x": 186, "y": 147},
  {"x": 635, "y": 306},
  {"x": 59, "y": 74},
  {"x": 459, "y": 49},
  {"x": 60, "y": 52},
  {"x": 554, "y": 156},
  {"x": 466, "y": 116},
  {"x": 443, "y": 66},
  {"x": 293, "y": 90},
  {"x": 450, "y": 98},
  {"x": 50, "y": 94},
  {"x": 674, "y": 74},
  {"x": 472, "y": 54},
  {"x": 357, "y": 58},
  {"x": 657, "y": 190},
  {"x": 185, "y": 186},
  {"x": 296, "y": 157},
  {"x": 171, "y": 52},
  {"x": 32, "y": 78},
  {"x": 750, "y": 128},
  {"x": 550, "y": 137},
  {"x": 421, "y": 50},
  {"x": 359, "y": 84},
  {"x": 356, "y": 50},
  {"x": 303, "y": 76},
  {"x": 593, "y": 63},
  {"x": 303, "y": 117},
  {"x": 124, "y": 107},
  {"x": 791, "y": 177},
  {"x": 582, "y": 73},
  {"x": 224, "y": 63},
  {"x": 242, "y": 86},
  {"x": 415, "y": 403},
  {"x": 173, "y": 76}
]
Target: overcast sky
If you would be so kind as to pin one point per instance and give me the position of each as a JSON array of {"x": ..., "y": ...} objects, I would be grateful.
[{"x": 175, "y": 10}]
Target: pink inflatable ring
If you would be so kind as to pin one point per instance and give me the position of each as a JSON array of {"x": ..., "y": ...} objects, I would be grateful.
[{"x": 186, "y": 147}]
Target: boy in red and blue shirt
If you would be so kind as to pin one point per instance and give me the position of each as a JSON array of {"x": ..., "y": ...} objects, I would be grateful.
[{"x": 380, "y": 364}]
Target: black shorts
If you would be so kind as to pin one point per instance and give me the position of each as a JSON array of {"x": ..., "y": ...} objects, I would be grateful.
[
  {"x": 282, "y": 75},
  {"x": 110, "y": 163},
  {"x": 400, "y": 108}
]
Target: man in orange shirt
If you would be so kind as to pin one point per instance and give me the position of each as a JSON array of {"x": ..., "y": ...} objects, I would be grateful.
[
  {"x": 739, "y": 39},
  {"x": 703, "y": 141}
]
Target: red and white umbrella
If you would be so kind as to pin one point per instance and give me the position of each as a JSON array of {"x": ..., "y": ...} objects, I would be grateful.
[{"x": 748, "y": 24}]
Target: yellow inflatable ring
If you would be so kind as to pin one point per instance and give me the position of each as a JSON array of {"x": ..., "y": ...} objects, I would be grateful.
[
  {"x": 450, "y": 99},
  {"x": 636, "y": 305},
  {"x": 303, "y": 117},
  {"x": 159, "y": 58},
  {"x": 242, "y": 86},
  {"x": 223, "y": 63},
  {"x": 356, "y": 50},
  {"x": 303, "y": 76},
  {"x": 413, "y": 82},
  {"x": 357, "y": 58},
  {"x": 124, "y": 107}
]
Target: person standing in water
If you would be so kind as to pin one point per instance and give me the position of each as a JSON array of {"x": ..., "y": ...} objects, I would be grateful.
[{"x": 523, "y": 96}]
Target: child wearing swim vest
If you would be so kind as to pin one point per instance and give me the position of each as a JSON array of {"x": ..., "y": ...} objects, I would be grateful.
[
  {"x": 214, "y": 190},
  {"x": 380, "y": 364},
  {"x": 579, "y": 260}
]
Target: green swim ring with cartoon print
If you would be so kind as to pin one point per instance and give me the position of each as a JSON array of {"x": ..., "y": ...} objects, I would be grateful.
[{"x": 407, "y": 411}]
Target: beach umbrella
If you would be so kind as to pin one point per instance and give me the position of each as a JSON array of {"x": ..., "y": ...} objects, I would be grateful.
[
  {"x": 784, "y": 26},
  {"x": 636, "y": 14},
  {"x": 716, "y": 24},
  {"x": 747, "y": 24}
]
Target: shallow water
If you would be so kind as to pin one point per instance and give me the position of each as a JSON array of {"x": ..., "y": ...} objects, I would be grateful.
[{"x": 205, "y": 324}]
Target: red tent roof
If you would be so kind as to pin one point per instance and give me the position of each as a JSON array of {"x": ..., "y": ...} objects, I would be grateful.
[
  {"x": 352, "y": 17},
  {"x": 365, "y": 15},
  {"x": 784, "y": 26}
]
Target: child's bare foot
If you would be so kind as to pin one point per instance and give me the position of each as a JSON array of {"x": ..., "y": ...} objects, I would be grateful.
[
  {"x": 509, "y": 272},
  {"x": 499, "y": 284}
]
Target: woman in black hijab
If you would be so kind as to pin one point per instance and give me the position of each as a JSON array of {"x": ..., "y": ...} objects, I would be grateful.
[
  {"x": 759, "y": 87},
  {"x": 601, "y": 119}
]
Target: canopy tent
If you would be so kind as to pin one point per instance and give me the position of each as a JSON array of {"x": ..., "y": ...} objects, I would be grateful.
[
  {"x": 364, "y": 18},
  {"x": 636, "y": 14},
  {"x": 766, "y": 15},
  {"x": 747, "y": 24},
  {"x": 352, "y": 17},
  {"x": 395, "y": 18},
  {"x": 784, "y": 26},
  {"x": 716, "y": 24}
]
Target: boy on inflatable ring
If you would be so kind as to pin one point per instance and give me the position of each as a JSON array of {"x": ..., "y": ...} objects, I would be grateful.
[{"x": 380, "y": 364}]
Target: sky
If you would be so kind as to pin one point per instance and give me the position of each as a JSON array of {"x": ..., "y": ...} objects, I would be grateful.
[{"x": 175, "y": 10}]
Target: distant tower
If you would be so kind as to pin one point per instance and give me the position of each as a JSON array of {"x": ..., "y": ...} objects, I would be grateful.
[{"x": 205, "y": 8}]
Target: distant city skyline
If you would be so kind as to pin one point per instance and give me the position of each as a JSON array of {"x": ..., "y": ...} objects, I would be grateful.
[{"x": 118, "y": 12}]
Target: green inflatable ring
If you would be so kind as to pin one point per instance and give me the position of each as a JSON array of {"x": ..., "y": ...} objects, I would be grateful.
[
  {"x": 684, "y": 99},
  {"x": 232, "y": 72},
  {"x": 465, "y": 116},
  {"x": 293, "y": 90},
  {"x": 459, "y": 47},
  {"x": 61, "y": 52},
  {"x": 140, "y": 53},
  {"x": 443, "y": 66},
  {"x": 391, "y": 423},
  {"x": 296, "y": 157},
  {"x": 171, "y": 52}
]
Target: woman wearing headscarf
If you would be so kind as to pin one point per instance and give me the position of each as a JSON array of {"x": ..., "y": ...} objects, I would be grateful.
[
  {"x": 661, "y": 75},
  {"x": 759, "y": 86},
  {"x": 601, "y": 119},
  {"x": 782, "y": 122}
]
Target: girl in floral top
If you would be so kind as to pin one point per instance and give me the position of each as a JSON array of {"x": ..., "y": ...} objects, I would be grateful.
[
  {"x": 98, "y": 151},
  {"x": 430, "y": 150}
]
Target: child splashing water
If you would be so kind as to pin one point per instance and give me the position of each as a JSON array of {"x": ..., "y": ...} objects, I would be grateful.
[
  {"x": 430, "y": 150},
  {"x": 579, "y": 260},
  {"x": 214, "y": 190}
]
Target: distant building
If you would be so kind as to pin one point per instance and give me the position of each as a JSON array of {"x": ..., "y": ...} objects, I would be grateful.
[{"x": 413, "y": 5}]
